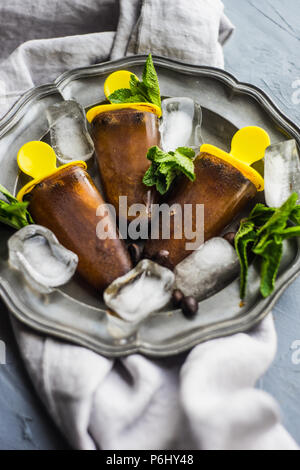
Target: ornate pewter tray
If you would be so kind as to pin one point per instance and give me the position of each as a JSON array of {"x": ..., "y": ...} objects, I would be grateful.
[{"x": 77, "y": 315}]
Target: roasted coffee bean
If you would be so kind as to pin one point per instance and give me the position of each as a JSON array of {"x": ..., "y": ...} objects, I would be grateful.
[
  {"x": 189, "y": 306},
  {"x": 177, "y": 298}
]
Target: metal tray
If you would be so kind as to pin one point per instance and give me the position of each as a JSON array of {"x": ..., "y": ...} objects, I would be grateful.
[{"x": 75, "y": 314}]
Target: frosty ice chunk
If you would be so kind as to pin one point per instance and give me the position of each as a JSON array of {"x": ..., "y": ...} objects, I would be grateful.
[
  {"x": 145, "y": 289},
  {"x": 68, "y": 131},
  {"x": 282, "y": 172},
  {"x": 45, "y": 263},
  {"x": 208, "y": 269},
  {"x": 181, "y": 123}
]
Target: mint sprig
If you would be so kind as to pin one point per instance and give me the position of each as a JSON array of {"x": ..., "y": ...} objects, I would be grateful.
[
  {"x": 262, "y": 235},
  {"x": 246, "y": 236},
  {"x": 165, "y": 167},
  {"x": 13, "y": 212},
  {"x": 146, "y": 90}
]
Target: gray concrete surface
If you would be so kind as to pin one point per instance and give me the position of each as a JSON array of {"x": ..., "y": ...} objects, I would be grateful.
[{"x": 265, "y": 51}]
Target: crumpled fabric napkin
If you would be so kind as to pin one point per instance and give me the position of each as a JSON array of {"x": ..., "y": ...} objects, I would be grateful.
[
  {"x": 75, "y": 33},
  {"x": 201, "y": 400}
]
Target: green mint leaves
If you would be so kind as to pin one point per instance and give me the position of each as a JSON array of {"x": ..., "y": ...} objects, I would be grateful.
[
  {"x": 146, "y": 90},
  {"x": 13, "y": 212},
  {"x": 245, "y": 236},
  {"x": 262, "y": 235},
  {"x": 150, "y": 82},
  {"x": 166, "y": 166}
]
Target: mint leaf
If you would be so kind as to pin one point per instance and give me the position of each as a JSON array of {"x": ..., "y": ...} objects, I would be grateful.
[
  {"x": 13, "y": 212},
  {"x": 162, "y": 185},
  {"x": 187, "y": 151},
  {"x": 290, "y": 232},
  {"x": 150, "y": 177},
  {"x": 243, "y": 238},
  {"x": 146, "y": 90},
  {"x": 170, "y": 176},
  {"x": 295, "y": 215},
  {"x": 124, "y": 95},
  {"x": 269, "y": 267},
  {"x": 155, "y": 154},
  {"x": 280, "y": 216},
  {"x": 7, "y": 194},
  {"x": 150, "y": 81},
  {"x": 184, "y": 162},
  {"x": 166, "y": 166},
  {"x": 266, "y": 228},
  {"x": 138, "y": 88},
  {"x": 261, "y": 214}
]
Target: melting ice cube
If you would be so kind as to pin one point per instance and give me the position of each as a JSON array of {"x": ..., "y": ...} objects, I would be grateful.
[
  {"x": 35, "y": 251},
  {"x": 145, "y": 289},
  {"x": 282, "y": 172},
  {"x": 181, "y": 123},
  {"x": 207, "y": 269},
  {"x": 68, "y": 132}
]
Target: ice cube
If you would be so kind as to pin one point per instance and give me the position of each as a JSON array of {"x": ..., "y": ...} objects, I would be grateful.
[
  {"x": 145, "y": 289},
  {"x": 35, "y": 251},
  {"x": 282, "y": 172},
  {"x": 181, "y": 123},
  {"x": 208, "y": 269},
  {"x": 70, "y": 138},
  {"x": 120, "y": 329}
]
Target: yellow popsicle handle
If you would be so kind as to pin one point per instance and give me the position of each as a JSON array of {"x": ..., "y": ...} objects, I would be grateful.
[
  {"x": 249, "y": 144},
  {"x": 103, "y": 108},
  {"x": 36, "y": 159},
  {"x": 117, "y": 80}
]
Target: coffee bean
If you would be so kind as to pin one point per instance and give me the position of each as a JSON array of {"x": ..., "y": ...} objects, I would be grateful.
[
  {"x": 189, "y": 306},
  {"x": 230, "y": 236},
  {"x": 177, "y": 298},
  {"x": 135, "y": 253}
]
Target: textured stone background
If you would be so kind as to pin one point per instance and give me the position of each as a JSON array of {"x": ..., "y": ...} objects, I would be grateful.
[{"x": 264, "y": 51}]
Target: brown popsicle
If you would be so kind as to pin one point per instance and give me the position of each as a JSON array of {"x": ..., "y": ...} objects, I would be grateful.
[
  {"x": 223, "y": 190},
  {"x": 122, "y": 139},
  {"x": 66, "y": 203}
]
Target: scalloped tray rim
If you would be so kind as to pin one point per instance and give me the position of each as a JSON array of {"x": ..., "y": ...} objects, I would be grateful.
[{"x": 258, "y": 312}]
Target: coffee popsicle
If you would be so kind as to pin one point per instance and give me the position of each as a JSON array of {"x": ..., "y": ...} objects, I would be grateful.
[{"x": 65, "y": 200}]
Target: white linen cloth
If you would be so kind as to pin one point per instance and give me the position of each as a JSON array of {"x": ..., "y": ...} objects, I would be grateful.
[{"x": 202, "y": 400}]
